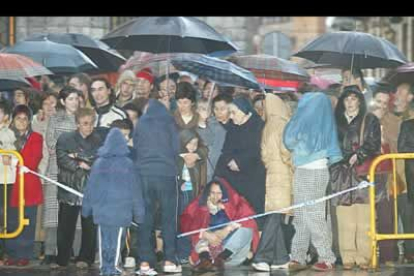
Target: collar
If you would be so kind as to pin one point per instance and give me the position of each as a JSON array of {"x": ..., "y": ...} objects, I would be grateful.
[{"x": 103, "y": 109}]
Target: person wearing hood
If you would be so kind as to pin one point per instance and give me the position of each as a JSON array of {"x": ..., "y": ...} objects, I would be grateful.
[
  {"x": 113, "y": 197},
  {"x": 312, "y": 138},
  {"x": 192, "y": 179},
  {"x": 240, "y": 160},
  {"x": 156, "y": 144},
  {"x": 226, "y": 246},
  {"x": 272, "y": 251},
  {"x": 353, "y": 221}
]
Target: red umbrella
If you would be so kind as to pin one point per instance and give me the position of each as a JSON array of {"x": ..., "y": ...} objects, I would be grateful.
[{"x": 18, "y": 66}]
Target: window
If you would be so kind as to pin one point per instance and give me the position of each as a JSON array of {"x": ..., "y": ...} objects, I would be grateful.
[{"x": 277, "y": 44}]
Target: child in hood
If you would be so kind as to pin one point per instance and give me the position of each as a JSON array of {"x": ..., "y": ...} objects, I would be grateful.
[{"x": 113, "y": 197}]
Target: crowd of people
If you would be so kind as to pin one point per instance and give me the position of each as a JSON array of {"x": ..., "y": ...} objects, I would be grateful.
[{"x": 156, "y": 156}]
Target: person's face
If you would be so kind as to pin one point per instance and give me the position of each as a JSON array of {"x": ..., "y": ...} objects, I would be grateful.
[
  {"x": 349, "y": 79},
  {"x": 49, "y": 106},
  {"x": 207, "y": 91},
  {"x": 133, "y": 116},
  {"x": 403, "y": 97},
  {"x": 192, "y": 145},
  {"x": 184, "y": 106},
  {"x": 21, "y": 122},
  {"x": 71, "y": 103},
  {"x": 351, "y": 104},
  {"x": 381, "y": 101},
  {"x": 127, "y": 88},
  {"x": 19, "y": 98},
  {"x": 143, "y": 88},
  {"x": 215, "y": 194},
  {"x": 85, "y": 125},
  {"x": 221, "y": 111},
  {"x": 75, "y": 83},
  {"x": 172, "y": 88},
  {"x": 236, "y": 115},
  {"x": 126, "y": 133},
  {"x": 100, "y": 93},
  {"x": 203, "y": 111}
]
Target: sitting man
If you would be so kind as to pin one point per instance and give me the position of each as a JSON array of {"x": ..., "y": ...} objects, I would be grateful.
[{"x": 229, "y": 245}]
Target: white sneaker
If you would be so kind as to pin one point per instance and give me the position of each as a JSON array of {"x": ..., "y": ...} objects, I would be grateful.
[
  {"x": 172, "y": 268},
  {"x": 129, "y": 262},
  {"x": 261, "y": 266},
  {"x": 146, "y": 270},
  {"x": 282, "y": 266}
]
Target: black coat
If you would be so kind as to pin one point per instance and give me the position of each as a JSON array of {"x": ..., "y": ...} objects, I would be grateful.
[
  {"x": 406, "y": 145},
  {"x": 242, "y": 144},
  {"x": 69, "y": 172}
]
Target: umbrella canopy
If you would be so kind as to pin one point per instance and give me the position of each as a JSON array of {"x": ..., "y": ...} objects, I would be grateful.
[
  {"x": 106, "y": 59},
  {"x": 168, "y": 35},
  {"x": 216, "y": 70},
  {"x": 13, "y": 83},
  {"x": 59, "y": 58},
  {"x": 266, "y": 66},
  {"x": 352, "y": 49},
  {"x": 402, "y": 74},
  {"x": 157, "y": 62},
  {"x": 14, "y": 66}
]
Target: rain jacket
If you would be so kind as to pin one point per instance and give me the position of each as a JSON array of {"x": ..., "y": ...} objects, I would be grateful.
[
  {"x": 276, "y": 158},
  {"x": 197, "y": 215},
  {"x": 156, "y": 142},
  {"x": 113, "y": 194}
]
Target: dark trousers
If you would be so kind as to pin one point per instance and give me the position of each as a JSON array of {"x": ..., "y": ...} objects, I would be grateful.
[
  {"x": 385, "y": 214},
  {"x": 406, "y": 212},
  {"x": 67, "y": 218},
  {"x": 184, "y": 244},
  {"x": 111, "y": 242},
  {"x": 272, "y": 248},
  {"x": 163, "y": 190}
]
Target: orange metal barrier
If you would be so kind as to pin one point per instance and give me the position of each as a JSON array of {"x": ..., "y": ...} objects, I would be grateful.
[{"x": 4, "y": 234}]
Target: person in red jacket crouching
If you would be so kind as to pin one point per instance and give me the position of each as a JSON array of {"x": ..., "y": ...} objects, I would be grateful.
[{"x": 226, "y": 246}]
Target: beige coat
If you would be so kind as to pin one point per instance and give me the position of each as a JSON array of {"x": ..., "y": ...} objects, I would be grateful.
[{"x": 277, "y": 159}]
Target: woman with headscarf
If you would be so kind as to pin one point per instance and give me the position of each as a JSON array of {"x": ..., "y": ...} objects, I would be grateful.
[
  {"x": 353, "y": 221},
  {"x": 312, "y": 138},
  {"x": 272, "y": 252},
  {"x": 29, "y": 144},
  {"x": 240, "y": 161}
]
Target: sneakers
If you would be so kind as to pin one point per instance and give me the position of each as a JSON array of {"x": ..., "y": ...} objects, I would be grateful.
[
  {"x": 172, "y": 268},
  {"x": 282, "y": 266},
  {"x": 262, "y": 266},
  {"x": 146, "y": 270},
  {"x": 347, "y": 266},
  {"x": 22, "y": 262},
  {"x": 296, "y": 266},
  {"x": 323, "y": 266},
  {"x": 129, "y": 262},
  {"x": 82, "y": 265}
]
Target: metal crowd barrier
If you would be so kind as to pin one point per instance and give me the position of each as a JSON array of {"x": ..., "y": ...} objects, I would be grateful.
[
  {"x": 4, "y": 234},
  {"x": 374, "y": 235}
]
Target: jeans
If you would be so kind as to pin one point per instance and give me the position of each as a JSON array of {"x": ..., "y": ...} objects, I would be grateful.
[
  {"x": 239, "y": 243},
  {"x": 161, "y": 189},
  {"x": 111, "y": 242}
]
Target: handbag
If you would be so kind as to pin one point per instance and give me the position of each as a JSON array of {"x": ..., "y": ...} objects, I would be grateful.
[
  {"x": 363, "y": 169},
  {"x": 342, "y": 177}
]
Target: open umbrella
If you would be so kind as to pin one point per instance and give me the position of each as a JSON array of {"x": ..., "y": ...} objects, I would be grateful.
[
  {"x": 106, "y": 59},
  {"x": 168, "y": 35},
  {"x": 352, "y": 49},
  {"x": 266, "y": 66},
  {"x": 59, "y": 58},
  {"x": 216, "y": 70},
  {"x": 401, "y": 74},
  {"x": 13, "y": 83},
  {"x": 14, "y": 66},
  {"x": 140, "y": 60}
]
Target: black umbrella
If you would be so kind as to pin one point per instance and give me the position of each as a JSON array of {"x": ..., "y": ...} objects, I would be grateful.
[
  {"x": 352, "y": 49},
  {"x": 168, "y": 35},
  {"x": 58, "y": 58},
  {"x": 402, "y": 74},
  {"x": 13, "y": 83},
  {"x": 107, "y": 59}
]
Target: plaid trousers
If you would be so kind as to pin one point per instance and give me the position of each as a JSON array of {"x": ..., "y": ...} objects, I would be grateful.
[{"x": 310, "y": 221}]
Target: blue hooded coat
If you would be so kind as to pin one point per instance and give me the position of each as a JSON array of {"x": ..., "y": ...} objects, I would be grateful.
[
  {"x": 113, "y": 194},
  {"x": 156, "y": 142}
]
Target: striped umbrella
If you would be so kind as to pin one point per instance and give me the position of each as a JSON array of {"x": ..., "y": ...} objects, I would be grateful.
[
  {"x": 216, "y": 70},
  {"x": 14, "y": 66}
]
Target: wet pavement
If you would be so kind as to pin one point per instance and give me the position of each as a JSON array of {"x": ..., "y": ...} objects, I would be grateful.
[{"x": 37, "y": 270}]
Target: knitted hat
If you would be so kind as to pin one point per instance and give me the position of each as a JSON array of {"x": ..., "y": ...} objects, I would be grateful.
[{"x": 146, "y": 73}]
